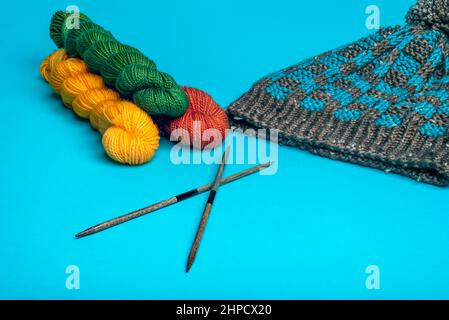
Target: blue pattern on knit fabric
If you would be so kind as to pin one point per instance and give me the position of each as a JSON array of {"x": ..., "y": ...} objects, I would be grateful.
[
  {"x": 327, "y": 57},
  {"x": 359, "y": 83},
  {"x": 432, "y": 130},
  {"x": 312, "y": 104},
  {"x": 339, "y": 95},
  {"x": 425, "y": 109},
  {"x": 413, "y": 80},
  {"x": 277, "y": 75},
  {"x": 308, "y": 87},
  {"x": 406, "y": 65},
  {"x": 435, "y": 59},
  {"x": 443, "y": 95},
  {"x": 334, "y": 60},
  {"x": 431, "y": 37},
  {"x": 345, "y": 114},
  {"x": 301, "y": 75},
  {"x": 444, "y": 110},
  {"x": 399, "y": 92},
  {"x": 278, "y": 91},
  {"x": 389, "y": 121}
]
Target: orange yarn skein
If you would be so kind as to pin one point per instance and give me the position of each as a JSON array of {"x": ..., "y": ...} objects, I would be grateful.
[
  {"x": 203, "y": 125},
  {"x": 129, "y": 134}
]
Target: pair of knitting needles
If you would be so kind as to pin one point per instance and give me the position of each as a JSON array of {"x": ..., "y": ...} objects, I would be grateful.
[{"x": 213, "y": 187}]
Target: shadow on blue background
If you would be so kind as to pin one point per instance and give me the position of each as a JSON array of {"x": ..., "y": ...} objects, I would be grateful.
[{"x": 307, "y": 232}]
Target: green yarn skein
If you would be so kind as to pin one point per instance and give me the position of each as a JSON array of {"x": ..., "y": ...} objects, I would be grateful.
[{"x": 121, "y": 66}]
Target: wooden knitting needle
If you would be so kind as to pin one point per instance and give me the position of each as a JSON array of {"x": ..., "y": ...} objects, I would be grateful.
[
  {"x": 207, "y": 210},
  {"x": 165, "y": 203}
]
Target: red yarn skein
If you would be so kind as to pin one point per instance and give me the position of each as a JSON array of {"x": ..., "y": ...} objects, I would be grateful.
[{"x": 202, "y": 114}]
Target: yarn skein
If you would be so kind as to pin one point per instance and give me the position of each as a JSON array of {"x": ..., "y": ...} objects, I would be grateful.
[
  {"x": 129, "y": 134},
  {"x": 121, "y": 66},
  {"x": 204, "y": 125}
]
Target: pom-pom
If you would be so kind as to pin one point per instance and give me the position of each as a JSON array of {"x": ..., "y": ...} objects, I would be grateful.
[{"x": 430, "y": 13}]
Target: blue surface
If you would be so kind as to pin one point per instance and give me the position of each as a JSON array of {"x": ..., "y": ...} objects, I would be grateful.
[{"x": 307, "y": 232}]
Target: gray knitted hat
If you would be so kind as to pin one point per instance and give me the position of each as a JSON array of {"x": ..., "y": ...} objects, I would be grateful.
[{"x": 382, "y": 101}]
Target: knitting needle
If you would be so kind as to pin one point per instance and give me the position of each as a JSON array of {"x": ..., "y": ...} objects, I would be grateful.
[
  {"x": 165, "y": 203},
  {"x": 207, "y": 210}
]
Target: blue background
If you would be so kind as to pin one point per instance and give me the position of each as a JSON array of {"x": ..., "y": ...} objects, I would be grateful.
[{"x": 307, "y": 232}]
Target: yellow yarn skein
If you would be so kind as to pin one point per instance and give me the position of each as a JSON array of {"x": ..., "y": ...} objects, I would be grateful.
[{"x": 129, "y": 134}]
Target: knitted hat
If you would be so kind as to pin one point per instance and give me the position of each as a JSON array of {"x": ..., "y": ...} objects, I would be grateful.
[{"x": 382, "y": 101}]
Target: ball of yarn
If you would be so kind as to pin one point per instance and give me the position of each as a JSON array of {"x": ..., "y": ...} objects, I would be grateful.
[
  {"x": 430, "y": 13},
  {"x": 202, "y": 115},
  {"x": 129, "y": 134},
  {"x": 121, "y": 66}
]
